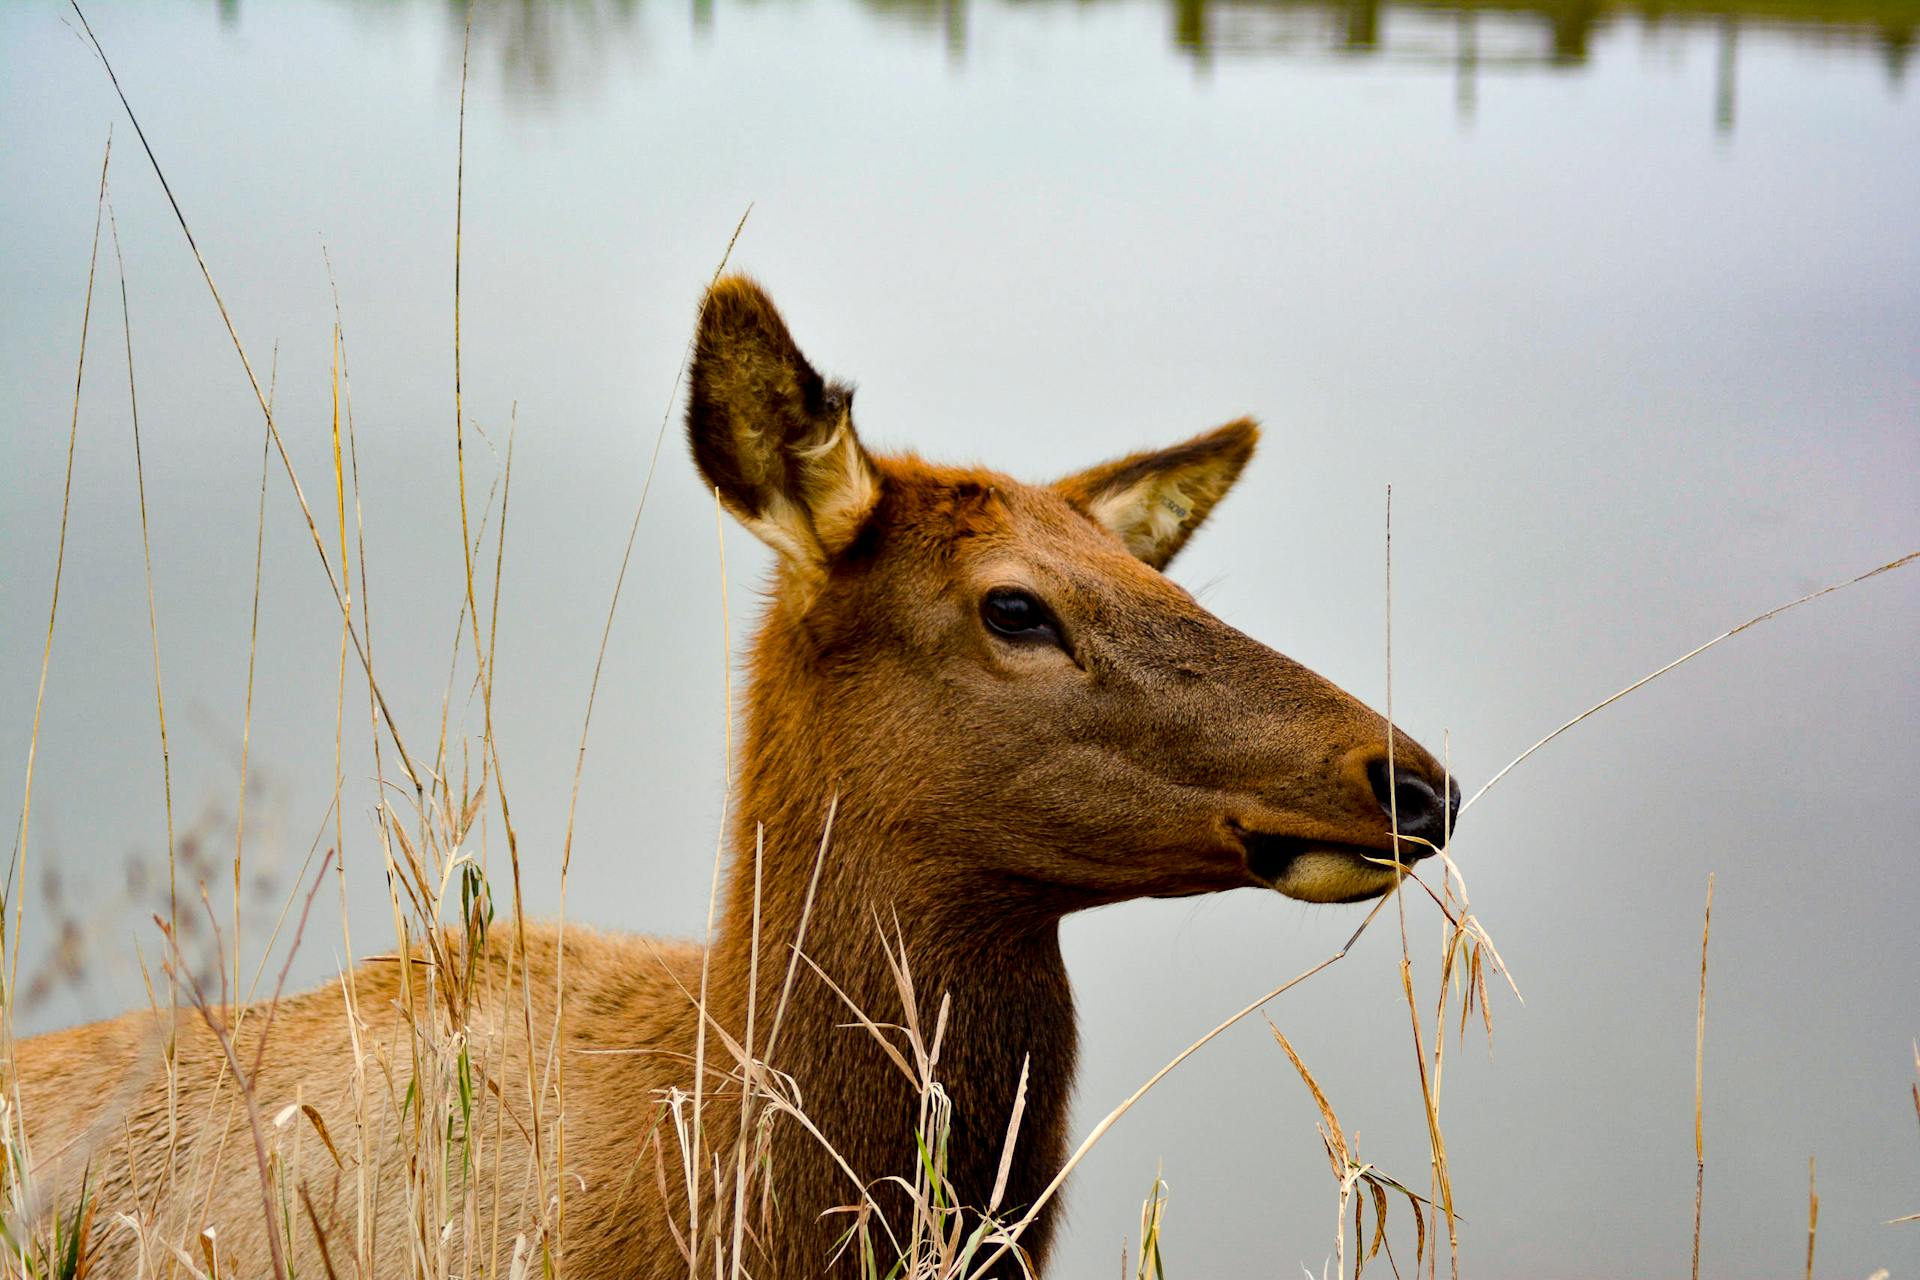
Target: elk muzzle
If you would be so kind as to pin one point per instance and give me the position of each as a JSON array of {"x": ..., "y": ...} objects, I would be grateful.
[{"x": 1403, "y": 811}]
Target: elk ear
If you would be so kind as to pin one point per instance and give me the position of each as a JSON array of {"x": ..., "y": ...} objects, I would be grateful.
[
  {"x": 773, "y": 437},
  {"x": 1153, "y": 502}
]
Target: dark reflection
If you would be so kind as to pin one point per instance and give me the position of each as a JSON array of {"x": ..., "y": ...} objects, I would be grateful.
[
  {"x": 1533, "y": 33},
  {"x": 1723, "y": 78},
  {"x": 946, "y": 19},
  {"x": 1466, "y": 81},
  {"x": 545, "y": 48},
  {"x": 1573, "y": 26},
  {"x": 1360, "y": 26},
  {"x": 539, "y": 49}
]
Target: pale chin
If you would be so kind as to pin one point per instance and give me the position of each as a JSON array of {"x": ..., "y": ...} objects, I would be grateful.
[{"x": 1322, "y": 875}]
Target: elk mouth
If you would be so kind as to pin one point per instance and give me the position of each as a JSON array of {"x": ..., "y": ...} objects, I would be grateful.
[{"x": 1318, "y": 870}]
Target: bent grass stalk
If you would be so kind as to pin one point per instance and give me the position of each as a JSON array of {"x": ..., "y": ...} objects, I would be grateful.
[
  {"x": 1898, "y": 563},
  {"x": 1699, "y": 1082}
]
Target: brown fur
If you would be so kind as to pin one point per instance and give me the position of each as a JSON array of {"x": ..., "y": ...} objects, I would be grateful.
[{"x": 986, "y": 787}]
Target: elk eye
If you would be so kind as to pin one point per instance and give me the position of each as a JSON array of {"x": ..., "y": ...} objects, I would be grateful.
[{"x": 1019, "y": 616}]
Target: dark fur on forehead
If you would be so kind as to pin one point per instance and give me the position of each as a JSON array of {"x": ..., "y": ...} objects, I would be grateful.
[
  {"x": 971, "y": 507},
  {"x": 943, "y": 504}
]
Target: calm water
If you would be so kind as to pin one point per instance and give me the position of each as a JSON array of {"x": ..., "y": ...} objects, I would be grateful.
[{"x": 1626, "y": 310}]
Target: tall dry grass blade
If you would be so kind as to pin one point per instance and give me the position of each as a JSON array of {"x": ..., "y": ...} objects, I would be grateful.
[
  {"x": 146, "y": 551},
  {"x": 490, "y": 746},
  {"x": 1695, "y": 652},
  {"x": 1699, "y": 1082},
  {"x": 749, "y": 1063},
  {"x": 359, "y": 524},
  {"x": 359, "y": 549},
  {"x": 1813, "y": 1216},
  {"x": 1460, "y": 932},
  {"x": 1436, "y": 1140},
  {"x": 336, "y": 375},
  {"x": 459, "y": 421},
  {"x": 800, "y": 933},
  {"x": 500, "y": 540},
  {"x": 17, "y": 868},
  {"x": 1013, "y": 1133},
  {"x": 1336, "y": 1138},
  {"x": 1441, "y": 1184},
  {"x": 441, "y": 769},
  {"x": 553, "y": 1072},
  {"x": 1393, "y": 791},
  {"x": 1153, "y": 1212},
  {"x": 482, "y": 656},
  {"x": 253, "y": 651},
  {"x": 367, "y": 1167},
  {"x": 693, "y": 1163},
  {"x": 872, "y": 1028}
]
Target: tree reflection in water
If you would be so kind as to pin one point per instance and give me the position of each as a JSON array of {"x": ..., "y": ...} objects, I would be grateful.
[{"x": 544, "y": 49}]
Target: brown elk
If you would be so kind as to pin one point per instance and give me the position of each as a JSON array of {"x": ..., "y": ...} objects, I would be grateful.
[{"x": 1014, "y": 715}]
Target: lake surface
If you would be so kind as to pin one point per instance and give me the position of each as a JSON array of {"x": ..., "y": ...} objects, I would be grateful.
[{"x": 1623, "y": 300}]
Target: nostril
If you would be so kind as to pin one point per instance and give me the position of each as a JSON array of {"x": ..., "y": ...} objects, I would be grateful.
[
  {"x": 1416, "y": 805},
  {"x": 1410, "y": 798},
  {"x": 1378, "y": 779}
]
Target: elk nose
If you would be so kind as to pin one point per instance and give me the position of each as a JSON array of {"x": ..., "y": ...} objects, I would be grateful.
[{"x": 1411, "y": 800}]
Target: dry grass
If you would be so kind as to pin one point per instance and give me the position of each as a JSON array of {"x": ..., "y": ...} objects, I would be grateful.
[
  {"x": 1352, "y": 1176},
  {"x": 1699, "y": 1083},
  {"x": 437, "y": 820}
]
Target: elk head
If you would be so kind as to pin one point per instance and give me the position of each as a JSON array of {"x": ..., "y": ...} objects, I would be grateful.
[{"x": 1002, "y": 676}]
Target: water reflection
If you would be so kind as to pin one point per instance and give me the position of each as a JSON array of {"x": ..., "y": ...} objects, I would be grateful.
[
  {"x": 537, "y": 42},
  {"x": 1501, "y": 35},
  {"x": 543, "y": 49},
  {"x": 1526, "y": 33},
  {"x": 1563, "y": 30}
]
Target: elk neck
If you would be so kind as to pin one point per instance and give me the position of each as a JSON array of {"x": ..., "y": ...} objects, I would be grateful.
[{"x": 892, "y": 876}]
